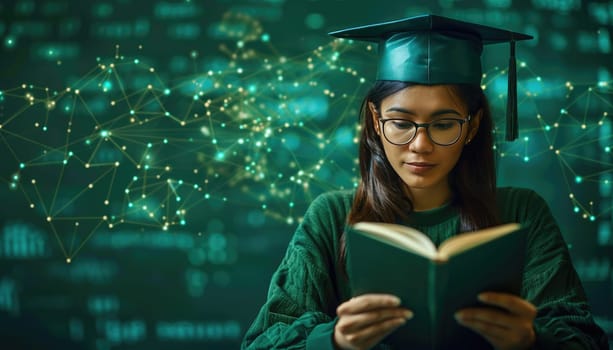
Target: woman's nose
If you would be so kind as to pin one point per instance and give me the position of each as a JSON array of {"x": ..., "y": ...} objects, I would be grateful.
[{"x": 421, "y": 143}]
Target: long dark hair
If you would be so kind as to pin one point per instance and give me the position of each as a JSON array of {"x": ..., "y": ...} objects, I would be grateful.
[{"x": 473, "y": 180}]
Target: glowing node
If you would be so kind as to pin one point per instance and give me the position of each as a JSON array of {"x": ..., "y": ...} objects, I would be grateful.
[{"x": 10, "y": 42}]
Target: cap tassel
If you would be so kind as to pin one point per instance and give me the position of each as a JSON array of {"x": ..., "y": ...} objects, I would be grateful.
[{"x": 512, "y": 124}]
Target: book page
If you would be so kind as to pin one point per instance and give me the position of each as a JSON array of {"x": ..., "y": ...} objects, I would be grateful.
[
  {"x": 468, "y": 240},
  {"x": 400, "y": 236}
]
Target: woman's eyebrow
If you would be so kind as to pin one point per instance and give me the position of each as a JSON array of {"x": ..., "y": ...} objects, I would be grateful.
[
  {"x": 436, "y": 113},
  {"x": 401, "y": 110},
  {"x": 445, "y": 112}
]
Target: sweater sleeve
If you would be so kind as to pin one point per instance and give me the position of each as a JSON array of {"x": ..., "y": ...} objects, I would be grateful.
[
  {"x": 300, "y": 309},
  {"x": 564, "y": 319}
]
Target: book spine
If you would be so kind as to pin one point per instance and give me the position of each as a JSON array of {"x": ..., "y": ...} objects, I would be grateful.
[{"x": 432, "y": 303}]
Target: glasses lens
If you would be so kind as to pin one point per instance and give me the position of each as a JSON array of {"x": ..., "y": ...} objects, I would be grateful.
[
  {"x": 399, "y": 131},
  {"x": 445, "y": 131}
]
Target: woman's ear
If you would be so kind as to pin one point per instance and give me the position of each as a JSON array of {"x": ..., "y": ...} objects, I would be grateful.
[
  {"x": 375, "y": 116},
  {"x": 473, "y": 126}
]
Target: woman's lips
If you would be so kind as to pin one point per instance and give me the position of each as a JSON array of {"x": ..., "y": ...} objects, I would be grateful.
[{"x": 419, "y": 167}]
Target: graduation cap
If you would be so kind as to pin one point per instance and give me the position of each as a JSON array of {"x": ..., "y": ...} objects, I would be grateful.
[{"x": 430, "y": 49}]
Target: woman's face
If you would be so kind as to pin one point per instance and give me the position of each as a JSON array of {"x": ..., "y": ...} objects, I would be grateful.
[{"x": 422, "y": 165}]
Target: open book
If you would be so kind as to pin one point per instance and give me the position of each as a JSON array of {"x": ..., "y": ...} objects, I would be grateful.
[{"x": 434, "y": 283}]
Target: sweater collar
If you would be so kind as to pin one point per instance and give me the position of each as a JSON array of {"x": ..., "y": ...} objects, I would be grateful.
[{"x": 433, "y": 216}]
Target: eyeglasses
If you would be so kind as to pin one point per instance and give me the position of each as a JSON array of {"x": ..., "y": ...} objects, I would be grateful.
[{"x": 443, "y": 132}]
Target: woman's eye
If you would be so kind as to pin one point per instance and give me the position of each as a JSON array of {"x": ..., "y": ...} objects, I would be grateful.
[
  {"x": 399, "y": 124},
  {"x": 443, "y": 124}
]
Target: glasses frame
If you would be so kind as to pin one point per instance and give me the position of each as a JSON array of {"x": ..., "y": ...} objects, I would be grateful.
[{"x": 425, "y": 126}]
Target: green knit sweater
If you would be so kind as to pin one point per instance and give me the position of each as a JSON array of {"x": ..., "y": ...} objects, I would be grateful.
[{"x": 309, "y": 284}]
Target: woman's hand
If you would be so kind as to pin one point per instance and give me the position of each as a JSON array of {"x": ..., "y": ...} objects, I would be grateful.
[
  {"x": 365, "y": 320},
  {"x": 506, "y": 329}
]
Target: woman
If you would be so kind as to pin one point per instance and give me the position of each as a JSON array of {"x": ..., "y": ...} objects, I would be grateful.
[{"x": 426, "y": 160}]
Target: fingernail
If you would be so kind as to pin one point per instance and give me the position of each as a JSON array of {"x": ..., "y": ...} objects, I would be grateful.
[
  {"x": 400, "y": 321},
  {"x": 459, "y": 316},
  {"x": 408, "y": 315},
  {"x": 482, "y": 297}
]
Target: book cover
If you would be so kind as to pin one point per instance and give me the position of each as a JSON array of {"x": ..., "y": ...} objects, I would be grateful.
[{"x": 434, "y": 290}]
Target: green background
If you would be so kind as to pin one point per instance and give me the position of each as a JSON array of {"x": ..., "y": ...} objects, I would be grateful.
[{"x": 157, "y": 156}]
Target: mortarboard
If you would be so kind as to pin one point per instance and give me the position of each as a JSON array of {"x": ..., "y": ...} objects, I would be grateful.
[{"x": 430, "y": 49}]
